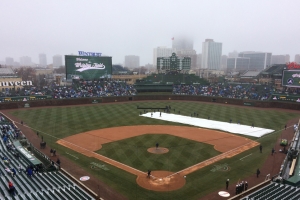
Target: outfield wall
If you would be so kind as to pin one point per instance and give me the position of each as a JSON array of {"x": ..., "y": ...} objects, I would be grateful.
[{"x": 78, "y": 101}]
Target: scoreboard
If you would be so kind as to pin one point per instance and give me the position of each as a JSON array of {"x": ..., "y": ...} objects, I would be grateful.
[
  {"x": 291, "y": 78},
  {"x": 88, "y": 67}
]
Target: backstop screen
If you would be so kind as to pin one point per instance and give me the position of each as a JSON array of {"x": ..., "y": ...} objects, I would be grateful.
[
  {"x": 88, "y": 67},
  {"x": 291, "y": 78}
]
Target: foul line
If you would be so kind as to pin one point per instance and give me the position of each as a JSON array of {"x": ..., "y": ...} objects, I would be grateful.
[
  {"x": 72, "y": 155},
  {"x": 246, "y": 156}
]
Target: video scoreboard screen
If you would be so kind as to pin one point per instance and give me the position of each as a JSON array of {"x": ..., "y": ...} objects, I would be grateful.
[
  {"x": 291, "y": 78},
  {"x": 88, "y": 67}
]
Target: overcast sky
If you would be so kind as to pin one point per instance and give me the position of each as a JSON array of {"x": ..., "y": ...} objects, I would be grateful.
[{"x": 134, "y": 27}]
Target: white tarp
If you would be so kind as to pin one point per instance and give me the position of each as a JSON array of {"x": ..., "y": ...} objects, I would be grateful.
[{"x": 211, "y": 124}]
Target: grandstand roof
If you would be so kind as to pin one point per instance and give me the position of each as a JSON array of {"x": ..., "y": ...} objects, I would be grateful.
[
  {"x": 274, "y": 69},
  {"x": 250, "y": 74},
  {"x": 6, "y": 71}
]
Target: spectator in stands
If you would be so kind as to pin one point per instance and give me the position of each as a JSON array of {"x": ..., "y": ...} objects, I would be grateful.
[
  {"x": 20, "y": 168},
  {"x": 11, "y": 188},
  {"x": 9, "y": 171},
  {"x": 29, "y": 172},
  {"x": 6, "y": 160},
  {"x": 13, "y": 172}
]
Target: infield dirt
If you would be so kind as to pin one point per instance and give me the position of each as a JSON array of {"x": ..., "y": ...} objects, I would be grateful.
[{"x": 228, "y": 144}]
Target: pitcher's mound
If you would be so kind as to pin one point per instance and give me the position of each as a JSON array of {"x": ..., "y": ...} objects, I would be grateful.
[
  {"x": 159, "y": 150},
  {"x": 159, "y": 181}
]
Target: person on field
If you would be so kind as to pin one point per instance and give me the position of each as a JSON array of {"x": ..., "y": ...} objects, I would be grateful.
[
  {"x": 260, "y": 148},
  {"x": 149, "y": 173},
  {"x": 246, "y": 186},
  {"x": 257, "y": 173},
  {"x": 227, "y": 184},
  {"x": 156, "y": 145}
]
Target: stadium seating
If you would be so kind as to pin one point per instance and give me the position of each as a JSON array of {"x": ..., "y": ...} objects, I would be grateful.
[
  {"x": 275, "y": 191},
  {"x": 42, "y": 185}
]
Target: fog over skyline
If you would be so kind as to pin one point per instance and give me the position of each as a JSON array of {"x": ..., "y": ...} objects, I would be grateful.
[{"x": 129, "y": 27}]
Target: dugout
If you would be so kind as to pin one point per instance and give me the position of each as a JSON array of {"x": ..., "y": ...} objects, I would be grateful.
[{"x": 32, "y": 160}]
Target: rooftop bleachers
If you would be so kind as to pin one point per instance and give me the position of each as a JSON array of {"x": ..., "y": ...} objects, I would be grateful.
[{"x": 40, "y": 186}]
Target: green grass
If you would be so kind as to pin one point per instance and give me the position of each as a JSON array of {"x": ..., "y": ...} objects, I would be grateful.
[
  {"x": 133, "y": 152},
  {"x": 56, "y": 123}
]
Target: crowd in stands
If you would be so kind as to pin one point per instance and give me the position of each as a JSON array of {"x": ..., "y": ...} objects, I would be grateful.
[
  {"x": 107, "y": 87},
  {"x": 78, "y": 89},
  {"x": 237, "y": 91}
]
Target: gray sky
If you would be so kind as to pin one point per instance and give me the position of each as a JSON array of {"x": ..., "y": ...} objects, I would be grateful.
[{"x": 134, "y": 27}]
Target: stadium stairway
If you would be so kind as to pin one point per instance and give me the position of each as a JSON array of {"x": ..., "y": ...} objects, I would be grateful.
[{"x": 41, "y": 186}]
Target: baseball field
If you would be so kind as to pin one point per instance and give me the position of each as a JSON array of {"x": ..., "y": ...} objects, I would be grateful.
[{"x": 115, "y": 145}]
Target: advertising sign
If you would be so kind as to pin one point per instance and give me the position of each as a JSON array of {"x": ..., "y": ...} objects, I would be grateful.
[
  {"x": 291, "y": 78},
  {"x": 88, "y": 67}
]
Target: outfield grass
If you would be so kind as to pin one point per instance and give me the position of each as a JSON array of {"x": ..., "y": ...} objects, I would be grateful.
[
  {"x": 133, "y": 152},
  {"x": 57, "y": 123}
]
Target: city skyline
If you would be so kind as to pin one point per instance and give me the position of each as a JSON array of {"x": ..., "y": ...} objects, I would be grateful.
[{"x": 246, "y": 26}]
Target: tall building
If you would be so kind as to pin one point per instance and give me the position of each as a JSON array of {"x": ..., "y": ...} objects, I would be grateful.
[
  {"x": 258, "y": 60},
  {"x": 182, "y": 43},
  {"x": 25, "y": 61},
  {"x": 42, "y": 60},
  {"x": 57, "y": 61},
  {"x": 199, "y": 60},
  {"x": 238, "y": 64},
  {"x": 161, "y": 52},
  {"x": 9, "y": 61},
  {"x": 280, "y": 59},
  {"x": 224, "y": 62},
  {"x": 233, "y": 54},
  {"x": 297, "y": 58},
  {"x": 132, "y": 61},
  {"x": 188, "y": 53},
  {"x": 211, "y": 54}
]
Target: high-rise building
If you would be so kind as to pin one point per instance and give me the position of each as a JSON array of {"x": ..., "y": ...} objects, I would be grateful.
[
  {"x": 25, "y": 61},
  {"x": 9, "y": 61},
  {"x": 199, "y": 60},
  {"x": 280, "y": 59},
  {"x": 57, "y": 61},
  {"x": 188, "y": 53},
  {"x": 238, "y": 64},
  {"x": 182, "y": 43},
  {"x": 161, "y": 52},
  {"x": 132, "y": 61},
  {"x": 224, "y": 62},
  {"x": 233, "y": 54},
  {"x": 42, "y": 60},
  {"x": 211, "y": 54},
  {"x": 297, "y": 58},
  {"x": 258, "y": 60}
]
